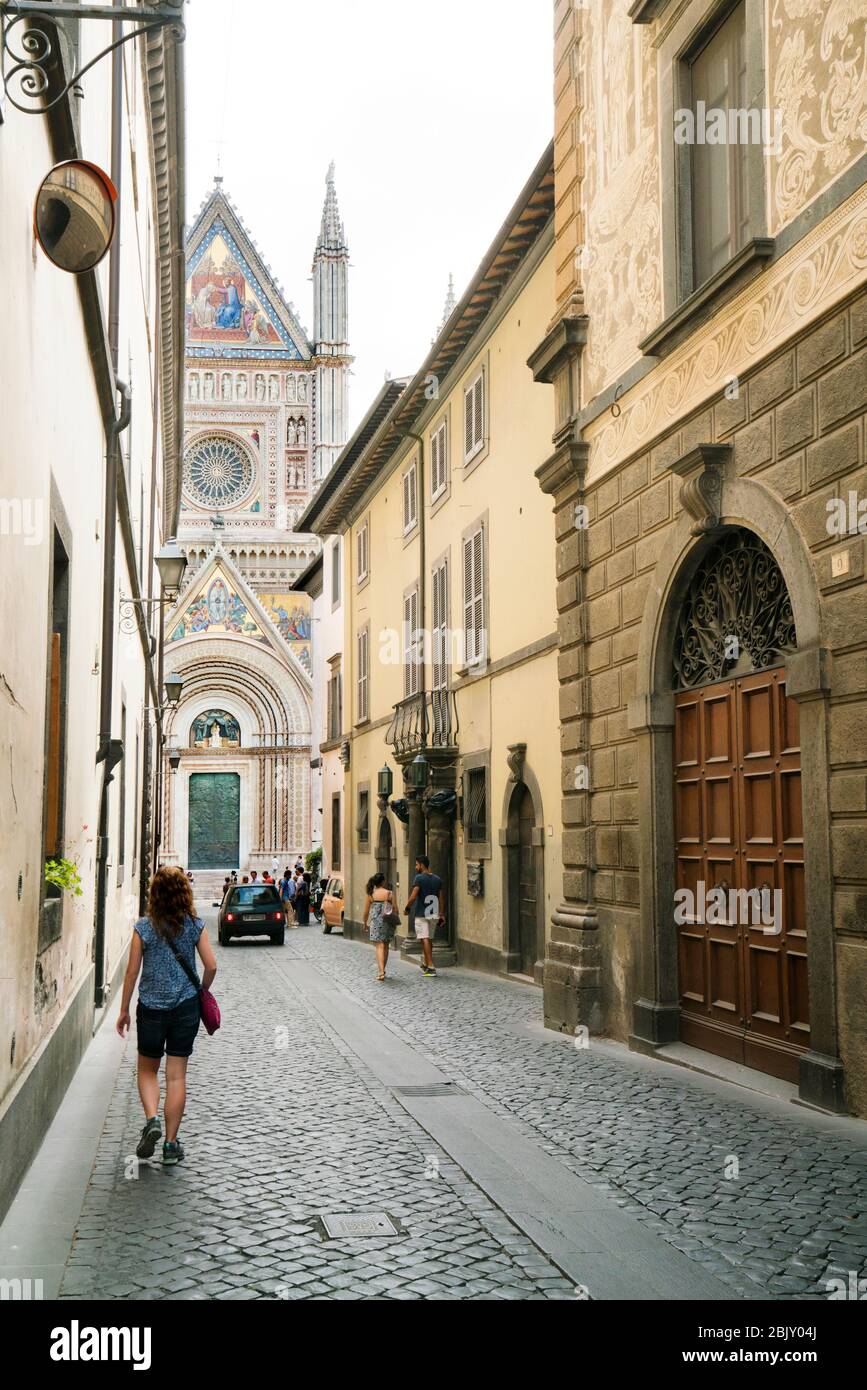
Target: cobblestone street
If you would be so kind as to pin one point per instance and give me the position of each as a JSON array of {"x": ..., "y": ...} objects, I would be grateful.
[{"x": 287, "y": 1123}]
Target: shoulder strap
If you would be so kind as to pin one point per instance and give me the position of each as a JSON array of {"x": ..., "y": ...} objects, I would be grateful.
[{"x": 187, "y": 969}]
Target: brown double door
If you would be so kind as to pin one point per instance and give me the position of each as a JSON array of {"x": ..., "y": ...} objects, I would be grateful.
[{"x": 739, "y": 826}]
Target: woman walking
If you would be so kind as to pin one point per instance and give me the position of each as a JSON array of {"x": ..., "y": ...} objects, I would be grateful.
[
  {"x": 167, "y": 1014},
  {"x": 379, "y": 904}
]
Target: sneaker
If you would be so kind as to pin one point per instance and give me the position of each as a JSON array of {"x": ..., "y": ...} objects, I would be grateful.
[
  {"x": 428, "y": 970},
  {"x": 149, "y": 1136},
  {"x": 173, "y": 1152}
]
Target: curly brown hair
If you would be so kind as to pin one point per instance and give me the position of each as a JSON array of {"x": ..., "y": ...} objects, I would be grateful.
[{"x": 170, "y": 900}]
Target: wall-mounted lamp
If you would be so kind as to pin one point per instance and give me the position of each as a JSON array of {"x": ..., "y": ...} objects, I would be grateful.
[
  {"x": 385, "y": 781},
  {"x": 419, "y": 769}
]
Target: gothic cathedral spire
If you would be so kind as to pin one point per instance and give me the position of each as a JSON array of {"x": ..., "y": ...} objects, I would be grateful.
[{"x": 330, "y": 333}]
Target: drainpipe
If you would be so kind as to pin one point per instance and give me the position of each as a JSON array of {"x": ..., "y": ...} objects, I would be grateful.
[
  {"x": 416, "y": 839},
  {"x": 110, "y": 750}
]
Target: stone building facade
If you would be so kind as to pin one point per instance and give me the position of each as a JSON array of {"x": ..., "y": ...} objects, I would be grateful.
[
  {"x": 91, "y": 369},
  {"x": 265, "y": 416},
  {"x": 706, "y": 480},
  {"x": 448, "y": 661}
]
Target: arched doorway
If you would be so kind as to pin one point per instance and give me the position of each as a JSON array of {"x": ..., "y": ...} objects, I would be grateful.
[
  {"x": 524, "y": 883},
  {"x": 715, "y": 502},
  {"x": 738, "y": 820}
]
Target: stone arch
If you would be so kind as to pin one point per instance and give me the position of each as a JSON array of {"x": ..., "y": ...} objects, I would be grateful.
[{"x": 712, "y": 503}]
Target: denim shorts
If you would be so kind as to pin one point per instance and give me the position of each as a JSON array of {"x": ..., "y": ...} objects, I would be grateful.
[{"x": 172, "y": 1031}]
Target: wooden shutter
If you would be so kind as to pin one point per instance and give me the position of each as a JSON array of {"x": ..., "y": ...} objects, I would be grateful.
[
  {"x": 474, "y": 596},
  {"x": 53, "y": 780},
  {"x": 335, "y": 572},
  {"x": 439, "y": 474},
  {"x": 409, "y": 498},
  {"x": 479, "y": 412},
  {"x": 440, "y": 660},
  {"x": 474, "y": 417},
  {"x": 362, "y": 552},
  {"x": 410, "y": 640},
  {"x": 363, "y": 674},
  {"x": 469, "y": 430}
]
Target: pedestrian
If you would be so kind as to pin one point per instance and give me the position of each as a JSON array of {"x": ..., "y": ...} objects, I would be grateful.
[
  {"x": 167, "y": 1014},
  {"x": 302, "y": 900},
  {"x": 378, "y": 906},
  {"x": 234, "y": 875},
  {"x": 299, "y": 865},
  {"x": 245, "y": 879},
  {"x": 287, "y": 895},
  {"x": 253, "y": 875},
  {"x": 426, "y": 900},
  {"x": 275, "y": 868}
]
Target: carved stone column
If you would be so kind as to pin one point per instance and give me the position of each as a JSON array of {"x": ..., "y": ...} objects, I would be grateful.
[{"x": 572, "y": 976}]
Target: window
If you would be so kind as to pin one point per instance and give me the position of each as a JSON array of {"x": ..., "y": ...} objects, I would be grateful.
[
  {"x": 720, "y": 188},
  {"x": 335, "y": 831},
  {"x": 121, "y": 810},
  {"x": 55, "y": 734},
  {"x": 439, "y": 626},
  {"x": 439, "y": 475},
  {"x": 363, "y": 675},
  {"x": 334, "y": 705},
  {"x": 362, "y": 552},
  {"x": 411, "y": 664},
  {"x": 475, "y": 636},
  {"x": 364, "y": 817},
  {"x": 474, "y": 417},
  {"x": 335, "y": 573},
  {"x": 410, "y": 498},
  {"x": 135, "y": 807},
  {"x": 476, "y": 804}
]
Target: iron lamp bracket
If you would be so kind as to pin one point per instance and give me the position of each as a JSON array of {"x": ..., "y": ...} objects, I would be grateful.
[{"x": 29, "y": 51}]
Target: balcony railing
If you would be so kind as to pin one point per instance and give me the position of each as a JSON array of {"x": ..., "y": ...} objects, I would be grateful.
[{"x": 426, "y": 720}]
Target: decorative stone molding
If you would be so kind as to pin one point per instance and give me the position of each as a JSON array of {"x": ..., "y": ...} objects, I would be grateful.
[
  {"x": 517, "y": 753},
  {"x": 701, "y": 496},
  {"x": 560, "y": 346},
  {"x": 820, "y": 270}
]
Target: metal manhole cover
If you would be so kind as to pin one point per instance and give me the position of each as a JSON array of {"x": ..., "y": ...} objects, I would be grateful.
[
  {"x": 435, "y": 1088},
  {"x": 359, "y": 1224}
]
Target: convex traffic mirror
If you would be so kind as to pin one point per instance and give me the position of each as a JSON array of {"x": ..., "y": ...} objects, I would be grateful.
[{"x": 74, "y": 218}]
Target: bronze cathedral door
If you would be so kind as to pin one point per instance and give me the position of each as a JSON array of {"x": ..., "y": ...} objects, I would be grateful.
[{"x": 738, "y": 825}]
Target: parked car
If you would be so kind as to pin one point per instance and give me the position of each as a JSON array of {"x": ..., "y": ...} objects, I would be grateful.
[
  {"x": 332, "y": 904},
  {"x": 252, "y": 909}
]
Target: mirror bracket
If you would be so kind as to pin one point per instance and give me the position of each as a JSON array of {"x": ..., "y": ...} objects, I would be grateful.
[{"x": 28, "y": 53}]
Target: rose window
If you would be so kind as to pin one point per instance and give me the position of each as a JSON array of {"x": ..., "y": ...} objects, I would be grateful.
[{"x": 217, "y": 472}]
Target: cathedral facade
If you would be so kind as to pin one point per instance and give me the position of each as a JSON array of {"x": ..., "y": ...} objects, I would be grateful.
[{"x": 266, "y": 409}]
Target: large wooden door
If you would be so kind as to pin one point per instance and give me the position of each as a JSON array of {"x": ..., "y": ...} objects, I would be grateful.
[
  {"x": 527, "y": 906},
  {"x": 214, "y": 820},
  {"x": 739, "y": 826}
]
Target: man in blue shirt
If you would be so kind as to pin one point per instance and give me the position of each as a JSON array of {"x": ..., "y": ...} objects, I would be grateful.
[{"x": 428, "y": 906}]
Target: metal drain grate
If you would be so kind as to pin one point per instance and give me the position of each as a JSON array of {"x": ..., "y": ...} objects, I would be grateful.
[
  {"x": 359, "y": 1223},
  {"x": 434, "y": 1088}
]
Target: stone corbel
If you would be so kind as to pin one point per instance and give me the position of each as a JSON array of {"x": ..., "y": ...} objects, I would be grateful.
[
  {"x": 701, "y": 496},
  {"x": 516, "y": 756}
]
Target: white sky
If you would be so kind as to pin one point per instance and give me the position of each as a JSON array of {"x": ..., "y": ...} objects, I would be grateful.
[{"x": 435, "y": 115}]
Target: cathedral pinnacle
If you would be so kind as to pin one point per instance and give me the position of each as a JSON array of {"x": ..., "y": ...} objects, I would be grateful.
[{"x": 331, "y": 235}]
